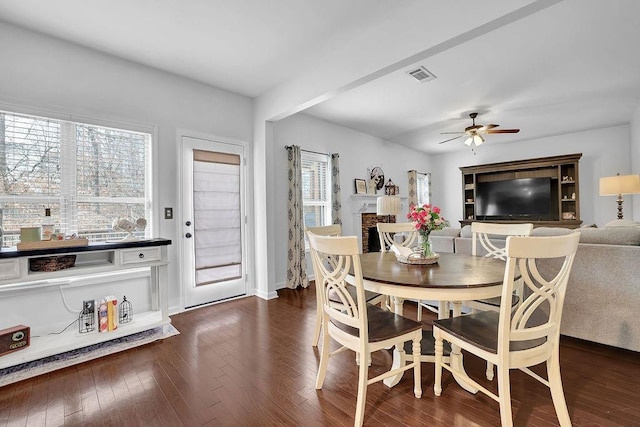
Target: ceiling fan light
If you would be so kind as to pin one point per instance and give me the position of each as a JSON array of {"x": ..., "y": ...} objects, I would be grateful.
[
  {"x": 478, "y": 140},
  {"x": 468, "y": 141}
]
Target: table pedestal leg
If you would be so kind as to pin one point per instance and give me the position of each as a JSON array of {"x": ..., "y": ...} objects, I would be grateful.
[
  {"x": 456, "y": 357},
  {"x": 399, "y": 359},
  {"x": 399, "y": 356}
]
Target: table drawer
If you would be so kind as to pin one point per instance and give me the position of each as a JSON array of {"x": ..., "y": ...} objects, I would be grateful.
[
  {"x": 9, "y": 269},
  {"x": 137, "y": 256}
]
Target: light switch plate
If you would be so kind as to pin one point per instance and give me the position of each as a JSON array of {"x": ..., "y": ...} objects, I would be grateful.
[{"x": 168, "y": 213}]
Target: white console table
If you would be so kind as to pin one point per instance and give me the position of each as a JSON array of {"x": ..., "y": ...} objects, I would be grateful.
[{"x": 46, "y": 300}]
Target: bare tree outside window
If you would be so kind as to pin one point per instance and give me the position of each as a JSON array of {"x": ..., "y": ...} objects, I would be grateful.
[{"x": 87, "y": 175}]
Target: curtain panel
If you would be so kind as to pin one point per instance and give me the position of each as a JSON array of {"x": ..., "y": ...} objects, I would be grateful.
[
  {"x": 296, "y": 259},
  {"x": 336, "y": 201}
]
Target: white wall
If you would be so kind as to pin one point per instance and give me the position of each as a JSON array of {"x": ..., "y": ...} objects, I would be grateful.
[
  {"x": 358, "y": 151},
  {"x": 635, "y": 161},
  {"x": 604, "y": 153},
  {"x": 49, "y": 77}
]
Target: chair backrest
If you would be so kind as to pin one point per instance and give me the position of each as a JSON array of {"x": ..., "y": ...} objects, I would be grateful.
[
  {"x": 331, "y": 278},
  {"x": 326, "y": 230},
  {"x": 386, "y": 232},
  {"x": 483, "y": 231},
  {"x": 535, "y": 325}
]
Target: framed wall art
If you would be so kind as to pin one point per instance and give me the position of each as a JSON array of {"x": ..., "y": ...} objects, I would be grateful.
[{"x": 361, "y": 186}]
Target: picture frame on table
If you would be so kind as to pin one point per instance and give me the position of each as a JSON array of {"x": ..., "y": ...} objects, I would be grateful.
[{"x": 361, "y": 186}]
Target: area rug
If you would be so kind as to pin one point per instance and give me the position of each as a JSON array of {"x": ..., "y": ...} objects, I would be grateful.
[{"x": 31, "y": 369}]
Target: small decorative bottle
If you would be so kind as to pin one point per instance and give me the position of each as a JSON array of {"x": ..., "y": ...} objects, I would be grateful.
[{"x": 48, "y": 227}]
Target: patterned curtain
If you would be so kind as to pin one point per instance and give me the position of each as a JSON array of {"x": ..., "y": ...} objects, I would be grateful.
[
  {"x": 336, "y": 204},
  {"x": 296, "y": 260},
  {"x": 413, "y": 188}
]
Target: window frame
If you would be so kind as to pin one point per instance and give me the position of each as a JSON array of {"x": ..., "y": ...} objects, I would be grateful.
[
  {"x": 326, "y": 204},
  {"x": 70, "y": 199}
]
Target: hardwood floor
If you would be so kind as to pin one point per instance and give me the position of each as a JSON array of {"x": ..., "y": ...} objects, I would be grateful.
[{"x": 249, "y": 362}]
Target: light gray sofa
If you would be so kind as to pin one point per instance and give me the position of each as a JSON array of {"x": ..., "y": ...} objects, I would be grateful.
[{"x": 602, "y": 303}]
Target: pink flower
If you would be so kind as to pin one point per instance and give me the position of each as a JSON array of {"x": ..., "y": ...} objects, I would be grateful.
[{"x": 427, "y": 218}]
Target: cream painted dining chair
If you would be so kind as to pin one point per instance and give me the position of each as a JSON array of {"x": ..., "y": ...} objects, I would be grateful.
[
  {"x": 483, "y": 245},
  {"x": 370, "y": 297},
  {"x": 523, "y": 338},
  {"x": 387, "y": 234},
  {"x": 355, "y": 324}
]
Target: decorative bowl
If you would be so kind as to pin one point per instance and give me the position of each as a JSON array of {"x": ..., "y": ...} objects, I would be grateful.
[{"x": 417, "y": 258}]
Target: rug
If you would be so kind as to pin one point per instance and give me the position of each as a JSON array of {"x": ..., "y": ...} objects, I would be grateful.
[{"x": 31, "y": 369}]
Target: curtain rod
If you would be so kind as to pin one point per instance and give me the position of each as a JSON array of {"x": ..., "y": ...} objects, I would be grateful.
[{"x": 308, "y": 151}]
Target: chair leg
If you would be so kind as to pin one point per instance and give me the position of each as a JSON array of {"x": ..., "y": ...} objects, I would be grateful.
[
  {"x": 489, "y": 371},
  {"x": 557, "y": 394},
  {"x": 439, "y": 350},
  {"x": 504, "y": 395},
  {"x": 318, "y": 328},
  {"x": 363, "y": 376},
  {"x": 324, "y": 360},
  {"x": 417, "y": 381},
  {"x": 358, "y": 359}
]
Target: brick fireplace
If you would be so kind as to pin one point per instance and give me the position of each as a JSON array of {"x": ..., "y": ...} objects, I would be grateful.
[
  {"x": 369, "y": 221},
  {"x": 364, "y": 217}
]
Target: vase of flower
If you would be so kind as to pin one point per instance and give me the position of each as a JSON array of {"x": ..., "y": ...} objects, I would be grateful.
[
  {"x": 425, "y": 242},
  {"x": 427, "y": 218}
]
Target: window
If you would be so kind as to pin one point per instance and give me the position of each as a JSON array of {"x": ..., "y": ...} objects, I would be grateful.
[
  {"x": 87, "y": 175},
  {"x": 423, "y": 191},
  {"x": 316, "y": 194}
]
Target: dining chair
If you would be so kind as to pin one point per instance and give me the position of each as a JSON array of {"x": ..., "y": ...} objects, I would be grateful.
[
  {"x": 370, "y": 297},
  {"x": 354, "y": 324},
  {"x": 518, "y": 339},
  {"x": 386, "y": 233},
  {"x": 484, "y": 244}
]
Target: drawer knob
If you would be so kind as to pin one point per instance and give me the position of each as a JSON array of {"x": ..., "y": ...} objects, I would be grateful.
[{"x": 141, "y": 255}]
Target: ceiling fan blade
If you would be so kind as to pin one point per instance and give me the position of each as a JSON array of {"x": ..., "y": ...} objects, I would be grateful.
[
  {"x": 451, "y": 139},
  {"x": 486, "y": 128},
  {"x": 503, "y": 131},
  {"x": 451, "y": 133}
]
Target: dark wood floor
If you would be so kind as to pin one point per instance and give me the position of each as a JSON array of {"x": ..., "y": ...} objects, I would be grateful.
[{"x": 249, "y": 362}]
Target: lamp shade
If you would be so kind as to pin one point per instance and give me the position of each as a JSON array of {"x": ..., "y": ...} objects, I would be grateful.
[
  {"x": 620, "y": 184},
  {"x": 474, "y": 139},
  {"x": 388, "y": 205}
]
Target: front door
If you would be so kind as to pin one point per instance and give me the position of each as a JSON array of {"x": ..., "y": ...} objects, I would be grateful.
[{"x": 213, "y": 221}]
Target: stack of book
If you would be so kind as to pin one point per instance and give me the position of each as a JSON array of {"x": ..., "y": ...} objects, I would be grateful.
[{"x": 108, "y": 314}]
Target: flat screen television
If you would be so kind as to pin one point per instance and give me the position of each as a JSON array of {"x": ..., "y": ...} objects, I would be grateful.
[{"x": 524, "y": 198}]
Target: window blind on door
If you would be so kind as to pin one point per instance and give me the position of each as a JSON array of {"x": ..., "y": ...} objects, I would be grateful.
[{"x": 217, "y": 216}]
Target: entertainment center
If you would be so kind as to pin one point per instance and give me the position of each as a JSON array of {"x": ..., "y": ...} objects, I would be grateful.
[{"x": 544, "y": 191}]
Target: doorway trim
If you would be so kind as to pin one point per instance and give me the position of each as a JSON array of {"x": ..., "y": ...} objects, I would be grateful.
[{"x": 249, "y": 240}]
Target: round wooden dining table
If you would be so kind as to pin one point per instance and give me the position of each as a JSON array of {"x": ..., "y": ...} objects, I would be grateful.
[{"x": 454, "y": 278}]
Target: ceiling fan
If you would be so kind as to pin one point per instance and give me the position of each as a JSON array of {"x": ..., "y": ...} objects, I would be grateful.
[{"x": 474, "y": 132}]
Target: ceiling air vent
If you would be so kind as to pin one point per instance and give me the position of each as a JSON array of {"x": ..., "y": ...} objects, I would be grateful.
[{"x": 421, "y": 74}]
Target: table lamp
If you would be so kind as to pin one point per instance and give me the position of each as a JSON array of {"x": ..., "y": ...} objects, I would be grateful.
[
  {"x": 619, "y": 185},
  {"x": 388, "y": 205}
]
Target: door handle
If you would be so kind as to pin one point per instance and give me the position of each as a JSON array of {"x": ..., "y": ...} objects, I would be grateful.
[
  {"x": 188, "y": 235},
  {"x": 188, "y": 223}
]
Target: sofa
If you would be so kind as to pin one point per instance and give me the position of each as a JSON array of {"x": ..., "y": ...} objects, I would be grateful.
[{"x": 602, "y": 302}]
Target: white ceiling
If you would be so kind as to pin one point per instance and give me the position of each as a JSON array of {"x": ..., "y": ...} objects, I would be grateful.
[{"x": 545, "y": 66}]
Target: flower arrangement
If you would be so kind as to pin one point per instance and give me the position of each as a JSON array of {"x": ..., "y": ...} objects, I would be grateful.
[{"x": 426, "y": 219}]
